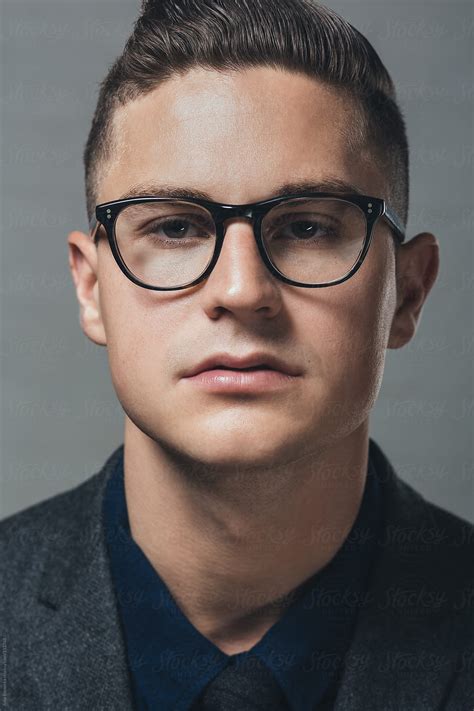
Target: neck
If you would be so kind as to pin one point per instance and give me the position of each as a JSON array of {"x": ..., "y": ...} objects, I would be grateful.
[{"x": 233, "y": 546}]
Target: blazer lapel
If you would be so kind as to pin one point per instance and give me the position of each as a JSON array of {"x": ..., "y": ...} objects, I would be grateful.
[
  {"x": 78, "y": 659},
  {"x": 406, "y": 644}
]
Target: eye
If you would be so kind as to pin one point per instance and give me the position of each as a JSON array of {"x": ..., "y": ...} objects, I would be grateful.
[
  {"x": 172, "y": 227},
  {"x": 301, "y": 228},
  {"x": 177, "y": 228}
]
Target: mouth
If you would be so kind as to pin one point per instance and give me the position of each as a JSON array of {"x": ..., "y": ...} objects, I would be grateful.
[
  {"x": 234, "y": 380},
  {"x": 250, "y": 363}
]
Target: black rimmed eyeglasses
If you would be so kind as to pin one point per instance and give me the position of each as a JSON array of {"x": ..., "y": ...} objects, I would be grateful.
[{"x": 312, "y": 240}]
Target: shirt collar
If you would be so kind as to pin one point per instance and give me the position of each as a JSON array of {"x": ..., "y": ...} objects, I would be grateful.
[{"x": 171, "y": 661}]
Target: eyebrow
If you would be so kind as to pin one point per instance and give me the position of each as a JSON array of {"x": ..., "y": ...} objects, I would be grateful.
[{"x": 329, "y": 185}]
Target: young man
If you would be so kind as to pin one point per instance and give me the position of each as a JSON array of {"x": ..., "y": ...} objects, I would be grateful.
[{"x": 249, "y": 545}]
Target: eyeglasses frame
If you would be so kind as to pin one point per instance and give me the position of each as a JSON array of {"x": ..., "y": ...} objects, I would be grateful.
[{"x": 373, "y": 208}]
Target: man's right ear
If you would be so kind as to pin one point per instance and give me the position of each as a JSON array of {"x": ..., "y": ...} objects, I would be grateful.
[{"x": 83, "y": 263}]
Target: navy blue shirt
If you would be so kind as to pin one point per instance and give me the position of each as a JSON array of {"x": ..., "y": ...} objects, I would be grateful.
[{"x": 171, "y": 662}]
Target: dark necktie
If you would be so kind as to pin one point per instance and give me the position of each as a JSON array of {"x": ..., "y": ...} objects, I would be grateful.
[{"x": 246, "y": 686}]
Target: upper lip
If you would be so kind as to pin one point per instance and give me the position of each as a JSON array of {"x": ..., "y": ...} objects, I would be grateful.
[{"x": 247, "y": 361}]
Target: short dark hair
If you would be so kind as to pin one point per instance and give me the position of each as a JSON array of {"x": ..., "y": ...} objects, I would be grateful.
[{"x": 172, "y": 36}]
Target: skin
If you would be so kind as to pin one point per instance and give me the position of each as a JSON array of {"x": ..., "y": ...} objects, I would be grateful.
[{"x": 236, "y": 501}]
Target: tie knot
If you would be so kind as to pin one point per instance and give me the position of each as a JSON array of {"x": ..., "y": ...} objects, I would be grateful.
[{"x": 246, "y": 684}]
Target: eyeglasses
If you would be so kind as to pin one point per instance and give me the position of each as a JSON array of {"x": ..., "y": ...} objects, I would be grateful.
[{"x": 309, "y": 240}]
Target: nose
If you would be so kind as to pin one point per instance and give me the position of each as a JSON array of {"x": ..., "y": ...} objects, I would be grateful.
[
  {"x": 240, "y": 281},
  {"x": 239, "y": 239}
]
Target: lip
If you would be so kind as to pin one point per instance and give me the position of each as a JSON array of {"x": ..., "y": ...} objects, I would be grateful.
[
  {"x": 241, "y": 381},
  {"x": 237, "y": 363}
]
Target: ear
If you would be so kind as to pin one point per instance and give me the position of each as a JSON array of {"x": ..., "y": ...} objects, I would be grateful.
[
  {"x": 417, "y": 266},
  {"x": 83, "y": 263}
]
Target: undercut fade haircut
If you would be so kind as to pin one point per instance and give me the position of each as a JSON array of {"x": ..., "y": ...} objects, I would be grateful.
[{"x": 171, "y": 37}]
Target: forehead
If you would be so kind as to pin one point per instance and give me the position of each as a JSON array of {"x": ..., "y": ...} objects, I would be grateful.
[{"x": 235, "y": 134}]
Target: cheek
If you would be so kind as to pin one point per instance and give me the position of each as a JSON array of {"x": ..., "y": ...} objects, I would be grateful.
[
  {"x": 367, "y": 321},
  {"x": 349, "y": 327},
  {"x": 141, "y": 371},
  {"x": 140, "y": 326}
]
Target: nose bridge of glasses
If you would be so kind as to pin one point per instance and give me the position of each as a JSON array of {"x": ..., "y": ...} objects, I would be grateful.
[
  {"x": 236, "y": 213},
  {"x": 231, "y": 213}
]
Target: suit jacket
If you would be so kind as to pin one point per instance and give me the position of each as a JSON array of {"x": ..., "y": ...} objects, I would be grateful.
[{"x": 63, "y": 646}]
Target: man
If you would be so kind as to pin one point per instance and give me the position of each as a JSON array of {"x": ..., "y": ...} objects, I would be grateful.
[{"x": 249, "y": 545}]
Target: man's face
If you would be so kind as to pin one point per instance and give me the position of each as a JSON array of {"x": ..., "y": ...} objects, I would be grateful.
[{"x": 237, "y": 136}]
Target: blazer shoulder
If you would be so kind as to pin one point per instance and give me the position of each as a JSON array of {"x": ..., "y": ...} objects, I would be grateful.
[
  {"x": 454, "y": 527},
  {"x": 428, "y": 547},
  {"x": 64, "y": 511},
  {"x": 48, "y": 514},
  {"x": 63, "y": 523},
  {"x": 413, "y": 520}
]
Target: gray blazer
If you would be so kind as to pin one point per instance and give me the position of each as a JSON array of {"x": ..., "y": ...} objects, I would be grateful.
[{"x": 63, "y": 647}]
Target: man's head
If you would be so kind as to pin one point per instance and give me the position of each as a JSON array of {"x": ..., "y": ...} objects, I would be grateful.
[{"x": 233, "y": 99}]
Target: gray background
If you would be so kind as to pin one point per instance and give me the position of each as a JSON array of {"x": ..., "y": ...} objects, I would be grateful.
[{"x": 60, "y": 418}]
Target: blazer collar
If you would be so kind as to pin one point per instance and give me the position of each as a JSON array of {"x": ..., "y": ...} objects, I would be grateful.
[{"x": 401, "y": 656}]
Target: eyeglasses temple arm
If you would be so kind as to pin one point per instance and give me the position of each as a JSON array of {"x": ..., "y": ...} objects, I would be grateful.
[
  {"x": 395, "y": 222},
  {"x": 93, "y": 223}
]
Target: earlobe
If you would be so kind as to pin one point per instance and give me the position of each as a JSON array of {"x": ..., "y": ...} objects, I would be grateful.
[
  {"x": 417, "y": 269},
  {"x": 83, "y": 263}
]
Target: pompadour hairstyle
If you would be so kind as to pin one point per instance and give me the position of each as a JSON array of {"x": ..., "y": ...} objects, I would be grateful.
[{"x": 172, "y": 36}]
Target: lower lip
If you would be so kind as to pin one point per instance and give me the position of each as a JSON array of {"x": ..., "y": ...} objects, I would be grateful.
[{"x": 242, "y": 381}]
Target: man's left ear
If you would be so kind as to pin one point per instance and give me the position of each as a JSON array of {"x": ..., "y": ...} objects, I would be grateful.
[{"x": 417, "y": 268}]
